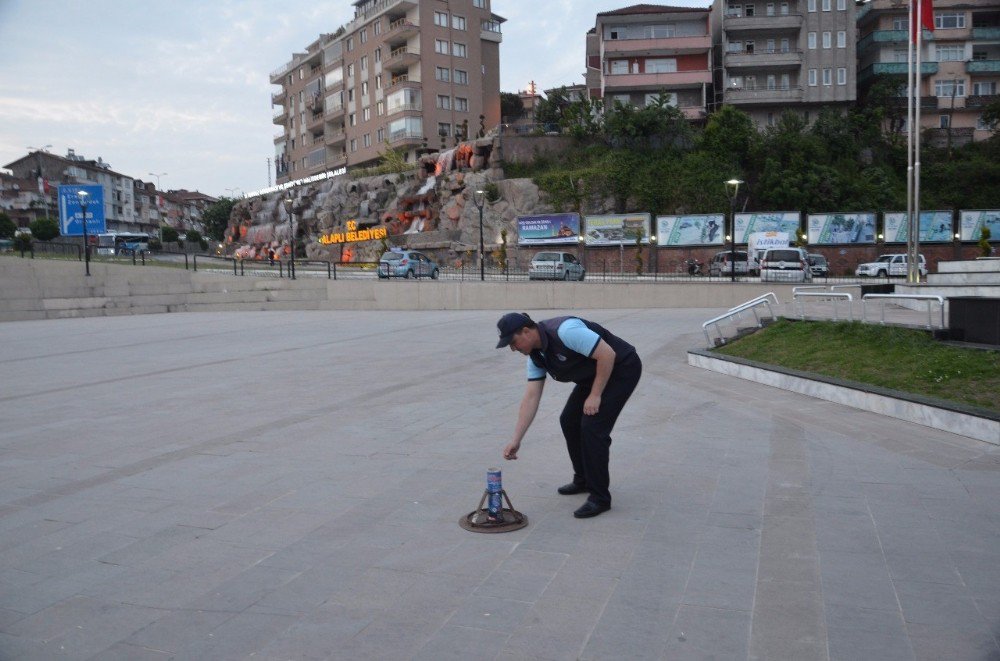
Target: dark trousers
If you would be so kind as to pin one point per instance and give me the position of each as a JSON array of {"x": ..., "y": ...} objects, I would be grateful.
[{"x": 588, "y": 437}]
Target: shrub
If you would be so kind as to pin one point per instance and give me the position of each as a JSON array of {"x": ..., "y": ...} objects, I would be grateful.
[
  {"x": 7, "y": 227},
  {"x": 168, "y": 233},
  {"x": 22, "y": 242},
  {"x": 984, "y": 242},
  {"x": 44, "y": 229}
]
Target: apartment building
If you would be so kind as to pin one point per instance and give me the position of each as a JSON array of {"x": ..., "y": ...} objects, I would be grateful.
[
  {"x": 960, "y": 63},
  {"x": 786, "y": 55},
  {"x": 402, "y": 72},
  {"x": 636, "y": 53}
]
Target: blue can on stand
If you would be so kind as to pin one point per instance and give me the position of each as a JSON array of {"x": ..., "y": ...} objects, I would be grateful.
[{"x": 494, "y": 489}]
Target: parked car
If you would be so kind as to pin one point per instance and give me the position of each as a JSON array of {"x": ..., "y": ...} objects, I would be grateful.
[
  {"x": 407, "y": 264},
  {"x": 818, "y": 265},
  {"x": 555, "y": 266},
  {"x": 785, "y": 265},
  {"x": 887, "y": 266},
  {"x": 720, "y": 263}
]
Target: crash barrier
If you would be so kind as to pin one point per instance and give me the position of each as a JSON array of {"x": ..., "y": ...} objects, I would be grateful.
[
  {"x": 882, "y": 298},
  {"x": 737, "y": 312}
]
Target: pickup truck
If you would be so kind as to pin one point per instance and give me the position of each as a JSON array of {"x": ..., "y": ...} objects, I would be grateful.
[{"x": 887, "y": 266}]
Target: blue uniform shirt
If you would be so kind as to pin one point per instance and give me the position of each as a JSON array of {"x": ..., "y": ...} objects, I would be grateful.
[{"x": 575, "y": 335}]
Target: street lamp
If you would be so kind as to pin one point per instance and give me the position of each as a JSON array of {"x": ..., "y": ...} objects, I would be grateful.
[
  {"x": 82, "y": 195},
  {"x": 291, "y": 236},
  {"x": 162, "y": 174},
  {"x": 479, "y": 199},
  {"x": 732, "y": 188}
]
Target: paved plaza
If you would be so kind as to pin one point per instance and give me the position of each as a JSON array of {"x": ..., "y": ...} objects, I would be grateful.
[{"x": 288, "y": 485}]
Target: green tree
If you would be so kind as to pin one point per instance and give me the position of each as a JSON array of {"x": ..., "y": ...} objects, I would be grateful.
[
  {"x": 511, "y": 108},
  {"x": 169, "y": 234},
  {"x": 44, "y": 229},
  {"x": 7, "y": 226},
  {"x": 730, "y": 138},
  {"x": 984, "y": 242},
  {"x": 216, "y": 218},
  {"x": 550, "y": 109}
]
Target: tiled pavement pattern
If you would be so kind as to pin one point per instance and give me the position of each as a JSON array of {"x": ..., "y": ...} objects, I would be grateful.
[{"x": 288, "y": 485}]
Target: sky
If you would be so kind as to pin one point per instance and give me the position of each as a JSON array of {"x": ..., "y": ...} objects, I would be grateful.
[{"x": 181, "y": 89}]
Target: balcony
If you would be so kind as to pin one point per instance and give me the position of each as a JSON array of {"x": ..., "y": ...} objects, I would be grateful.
[
  {"x": 895, "y": 69},
  {"x": 779, "y": 23},
  {"x": 878, "y": 37},
  {"x": 401, "y": 58},
  {"x": 664, "y": 46},
  {"x": 402, "y": 138},
  {"x": 762, "y": 59},
  {"x": 926, "y": 102},
  {"x": 280, "y": 117},
  {"x": 334, "y": 110},
  {"x": 315, "y": 121},
  {"x": 335, "y": 136},
  {"x": 982, "y": 66},
  {"x": 278, "y": 98},
  {"x": 654, "y": 81},
  {"x": 404, "y": 107},
  {"x": 402, "y": 80},
  {"x": 401, "y": 30},
  {"x": 981, "y": 100},
  {"x": 491, "y": 35},
  {"x": 763, "y": 96},
  {"x": 986, "y": 34}
]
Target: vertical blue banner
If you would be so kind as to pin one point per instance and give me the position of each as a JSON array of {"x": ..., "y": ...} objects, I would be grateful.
[{"x": 71, "y": 211}]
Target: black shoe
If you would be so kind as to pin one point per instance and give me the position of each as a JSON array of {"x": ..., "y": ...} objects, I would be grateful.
[
  {"x": 572, "y": 488},
  {"x": 589, "y": 509}
]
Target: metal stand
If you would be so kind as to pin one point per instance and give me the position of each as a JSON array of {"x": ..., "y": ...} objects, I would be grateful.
[{"x": 478, "y": 519}]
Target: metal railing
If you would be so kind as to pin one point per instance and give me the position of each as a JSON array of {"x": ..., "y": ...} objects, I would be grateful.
[
  {"x": 834, "y": 296},
  {"x": 752, "y": 304},
  {"x": 231, "y": 260},
  {"x": 930, "y": 298}
]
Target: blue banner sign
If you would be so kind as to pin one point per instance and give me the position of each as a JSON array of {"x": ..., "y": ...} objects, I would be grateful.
[
  {"x": 693, "y": 230},
  {"x": 973, "y": 222},
  {"x": 71, "y": 211},
  {"x": 766, "y": 221},
  {"x": 548, "y": 229},
  {"x": 935, "y": 226},
  {"x": 827, "y": 228}
]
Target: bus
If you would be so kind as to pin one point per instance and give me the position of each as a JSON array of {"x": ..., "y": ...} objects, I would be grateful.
[{"x": 117, "y": 243}]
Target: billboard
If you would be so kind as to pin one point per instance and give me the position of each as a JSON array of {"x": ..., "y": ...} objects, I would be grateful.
[
  {"x": 71, "y": 212},
  {"x": 616, "y": 229},
  {"x": 849, "y": 227},
  {"x": 701, "y": 229},
  {"x": 935, "y": 226},
  {"x": 766, "y": 221},
  {"x": 973, "y": 222},
  {"x": 551, "y": 228}
]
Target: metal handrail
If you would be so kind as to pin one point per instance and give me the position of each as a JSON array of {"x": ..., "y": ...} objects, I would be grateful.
[
  {"x": 825, "y": 295},
  {"x": 749, "y": 305},
  {"x": 930, "y": 298},
  {"x": 194, "y": 259}
]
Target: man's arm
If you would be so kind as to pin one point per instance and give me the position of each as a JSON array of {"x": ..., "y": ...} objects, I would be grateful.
[
  {"x": 604, "y": 355},
  {"x": 525, "y": 415}
]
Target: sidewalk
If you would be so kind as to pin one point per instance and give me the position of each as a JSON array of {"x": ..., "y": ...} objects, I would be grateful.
[{"x": 288, "y": 485}]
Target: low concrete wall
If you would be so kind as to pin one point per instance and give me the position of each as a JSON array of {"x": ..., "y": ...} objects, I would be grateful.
[{"x": 48, "y": 289}]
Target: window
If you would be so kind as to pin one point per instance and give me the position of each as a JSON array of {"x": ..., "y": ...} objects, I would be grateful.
[
  {"x": 785, "y": 47},
  {"x": 748, "y": 47},
  {"x": 841, "y": 39},
  {"x": 378, "y": 54},
  {"x": 949, "y": 88},
  {"x": 812, "y": 78},
  {"x": 749, "y": 10},
  {"x": 441, "y": 19},
  {"x": 783, "y": 9},
  {"x": 352, "y": 119},
  {"x": 479, "y": 3},
  {"x": 350, "y": 43},
  {"x": 827, "y": 40},
  {"x": 458, "y": 50},
  {"x": 364, "y": 62},
  {"x": 350, "y": 69},
  {"x": 751, "y": 82},
  {"x": 944, "y": 121},
  {"x": 735, "y": 82},
  {"x": 951, "y": 53},
  {"x": 983, "y": 125},
  {"x": 841, "y": 5},
  {"x": 366, "y": 114},
  {"x": 900, "y": 55},
  {"x": 810, "y": 5},
  {"x": 826, "y": 5},
  {"x": 354, "y": 144},
  {"x": 444, "y": 102},
  {"x": 786, "y": 82},
  {"x": 364, "y": 35},
  {"x": 444, "y": 128},
  {"x": 772, "y": 82},
  {"x": 669, "y": 97},
  {"x": 841, "y": 76},
  {"x": 366, "y": 139},
  {"x": 827, "y": 76},
  {"x": 661, "y": 65},
  {"x": 458, "y": 22},
  {"x": 899, "y": 23},
  {"x": 624, "y": 99},
  {"x": 364, "y": 88},
  {"x": 380, "y": 135},
  {"x": 378, "y": 82},
  {"x": 377, "y": 27},
  {"x": 984, "y": 88},
  {"x": 948, "y": 20},
  {"x": 734, "y": 47},
  {"x": 461, "y": 77},
  {"x": 350, "y": 96},
  {"x": 441, "y": 46},
  {"x": 769, "y": 47},
  {"x": 442, "y": 73},
  {"x": 770, "y": 9},
  {"x": 461, "y": 105},
  {"x": 618, "y": 66},
  {"x": 811, "y": 40},
  {"x": 380, "y": 109}
]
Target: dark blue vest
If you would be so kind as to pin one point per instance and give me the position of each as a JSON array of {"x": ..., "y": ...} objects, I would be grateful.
[{"x": 565, "y": 364}]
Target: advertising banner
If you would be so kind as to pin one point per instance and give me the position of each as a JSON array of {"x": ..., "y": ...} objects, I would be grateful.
[
  {"x": 766, "y": 221},
  {"x": 617, "y": 229},
  {"x": 935, "y": 226},
  {"x": 973, "y": 222},
  {"x": 702, "y": 229},
  {"x": 71, "y": 211},
  {"x": 850, "y": 227},
  {"x": 547, "y": 229}
]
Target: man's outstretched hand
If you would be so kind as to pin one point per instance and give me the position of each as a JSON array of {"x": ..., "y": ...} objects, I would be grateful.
[{"x": 510, "y": 451}]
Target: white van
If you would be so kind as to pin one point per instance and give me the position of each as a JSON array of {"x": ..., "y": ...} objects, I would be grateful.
[
  {"x": 888, "y": 266},
  {"x": 785, "y": 265}
]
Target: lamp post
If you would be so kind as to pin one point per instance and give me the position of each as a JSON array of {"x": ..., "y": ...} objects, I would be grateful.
[
  {"x": 291, "y": 236},
  {"x": 653, "y": 256},
  {"x": 479, "y": 199},
  {"x": 153, "y": 174},
  {"x": 45, "y": 197},
  {"x": 82, "y": 195},
  {"x": 732, "y": 188}
]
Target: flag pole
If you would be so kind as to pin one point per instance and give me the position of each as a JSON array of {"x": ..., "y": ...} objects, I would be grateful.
[
  {"x": 909, "y": 133},
  {"x": 914, "y": 259}
]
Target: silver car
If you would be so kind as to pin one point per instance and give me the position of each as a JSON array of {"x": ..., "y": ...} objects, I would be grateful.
[
  {"x": 407, "y": 264},
  {"x": 555, "y": 266}
]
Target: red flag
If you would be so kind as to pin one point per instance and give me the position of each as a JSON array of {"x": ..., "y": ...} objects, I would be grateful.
[{"x": 926, "y": 18}]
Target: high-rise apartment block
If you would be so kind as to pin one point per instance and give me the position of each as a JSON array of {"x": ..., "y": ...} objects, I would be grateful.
[
  {"x": 636, "y": 53},
  {"x": 786, "y": 55},
  {"x": 401, "y": 73},
  {"x": 959, "y": 69}
]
